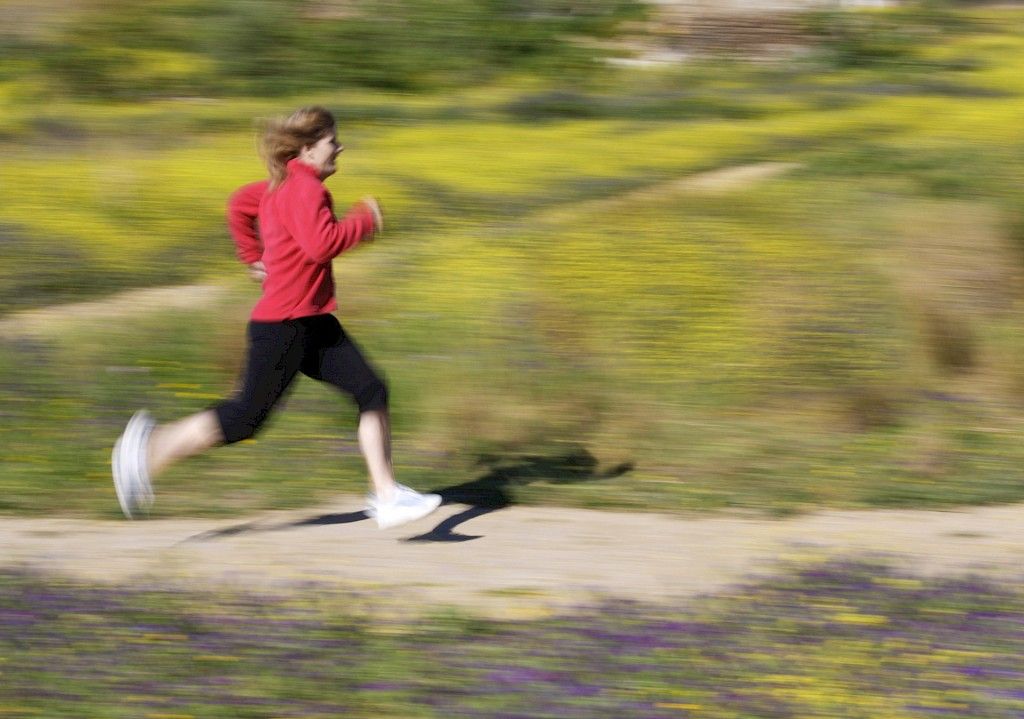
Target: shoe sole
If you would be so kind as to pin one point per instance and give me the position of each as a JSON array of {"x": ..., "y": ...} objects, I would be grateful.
[
  {"x": 144, "y": 486},
  {"x": 120, "y": 481},
  {"x": 131, "y": 482}
]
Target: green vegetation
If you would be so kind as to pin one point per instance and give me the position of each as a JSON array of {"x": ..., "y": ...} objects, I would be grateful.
[
  {"x": 844, "y": 334},
  {"x": 838, "y": 639},
  {"x": 136, "y": 49}
]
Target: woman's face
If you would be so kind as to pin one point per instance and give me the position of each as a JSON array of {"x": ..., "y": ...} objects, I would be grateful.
[{"x": 321, "y": 155}]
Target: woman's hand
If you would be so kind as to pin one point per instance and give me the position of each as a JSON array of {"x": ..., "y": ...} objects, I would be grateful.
[
  {"x": 257, "y": 271},
  {"x": 378, "y": 216}
]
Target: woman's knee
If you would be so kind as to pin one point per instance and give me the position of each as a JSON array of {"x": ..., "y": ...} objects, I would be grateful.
[
  {"x": 239, "y": 423},
  {"x": 372, "y": 396}
]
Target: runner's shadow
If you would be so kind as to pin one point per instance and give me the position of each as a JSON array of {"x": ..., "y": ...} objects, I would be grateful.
[
  {"x": 494, "y": 490},
  {"x": 340, "y": 518},
  {"x": 489, "y": 493},
  {"x": 250, "y": 527}
]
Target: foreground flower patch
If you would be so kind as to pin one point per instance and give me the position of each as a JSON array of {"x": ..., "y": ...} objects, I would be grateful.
[{"x": 831, "y": 640}]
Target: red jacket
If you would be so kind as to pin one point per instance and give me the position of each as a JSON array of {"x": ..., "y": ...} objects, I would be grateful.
[{"x": 294, "y": 232}]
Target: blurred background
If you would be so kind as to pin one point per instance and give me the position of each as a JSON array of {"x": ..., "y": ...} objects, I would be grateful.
[{"x": 669, "y": 256}]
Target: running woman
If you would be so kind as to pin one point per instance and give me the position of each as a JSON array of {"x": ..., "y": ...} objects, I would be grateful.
[{"x": 285, "y": 230}]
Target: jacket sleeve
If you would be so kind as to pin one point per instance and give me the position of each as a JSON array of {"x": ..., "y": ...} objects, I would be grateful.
[
  {"x": 242, "y": 212},
  {"x": 319, "y": 233}
]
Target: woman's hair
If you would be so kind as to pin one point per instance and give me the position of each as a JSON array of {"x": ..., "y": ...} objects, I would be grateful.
[{"x": 283, "y": 138}]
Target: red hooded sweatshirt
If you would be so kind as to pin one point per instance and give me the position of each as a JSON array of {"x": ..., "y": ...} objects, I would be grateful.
[{"x": 293, "y": 231}]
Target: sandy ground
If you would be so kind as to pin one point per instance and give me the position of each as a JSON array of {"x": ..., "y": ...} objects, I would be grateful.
[{"x": 514, "y": 562}]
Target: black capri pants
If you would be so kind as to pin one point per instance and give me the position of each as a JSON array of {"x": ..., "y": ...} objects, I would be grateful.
[{"x": 318, "y": 347}]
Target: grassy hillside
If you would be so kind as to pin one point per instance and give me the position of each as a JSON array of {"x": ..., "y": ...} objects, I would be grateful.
[{"x": 551, "y": 306}]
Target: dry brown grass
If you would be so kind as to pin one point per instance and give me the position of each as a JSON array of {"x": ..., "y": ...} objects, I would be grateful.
[{"x": 958, "y": 275}]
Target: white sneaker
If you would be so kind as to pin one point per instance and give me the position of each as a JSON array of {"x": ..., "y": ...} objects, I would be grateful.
[
  {"x": 130, "y": 470},
  {"x": 407, "y": 505}
]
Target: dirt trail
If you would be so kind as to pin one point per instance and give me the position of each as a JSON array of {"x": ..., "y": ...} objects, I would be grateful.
[
  {"x": 51, "y": 320},
  {"x": 513, "y": 562},
  {"x": 711, "y": 182}
]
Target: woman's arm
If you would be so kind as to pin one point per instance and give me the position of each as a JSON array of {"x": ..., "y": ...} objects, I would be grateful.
[
  {"x": 242, "y": 211},
  {"x": 321, "y": 235}
]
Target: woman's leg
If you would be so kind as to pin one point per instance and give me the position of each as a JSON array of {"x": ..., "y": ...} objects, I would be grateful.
[
  {"x": 170, "y": 443},
  {"x": 275, "y": 354},
  {"x": 146, "y": 449},
  {"x": 334, "y": 358},
  {"x": 338, "y": 361},
  {"x": 375, "y": 444}
]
